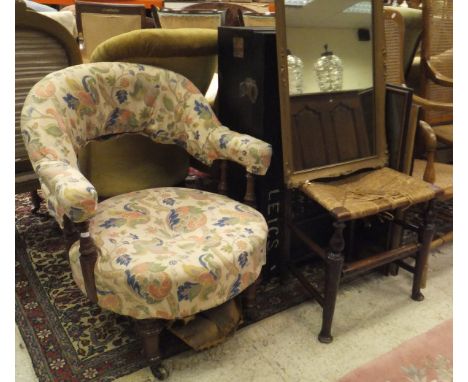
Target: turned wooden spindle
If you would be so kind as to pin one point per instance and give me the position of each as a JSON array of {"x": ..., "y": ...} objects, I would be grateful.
[
  {"x": 149, "y": 331},
  {"x": 69, "y": 232},
  {"x": 88, "y": 257},
  {"x": 222, "y": 185},
  {"x": 249, "y": 197},
  {"x": 334, "y": 265}
]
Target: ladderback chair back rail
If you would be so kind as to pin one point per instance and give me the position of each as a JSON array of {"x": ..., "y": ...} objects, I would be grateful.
[
  {"x": 170, "y": 19},
  {"x": 255, "y": 19},
  {"x": 42, "y": 46},
  {"x": 97, "y": 22},
  {"x": 437, "y": 56},
  {"x": 190, "y": 52},
  {"x": 156, "y": 254}
]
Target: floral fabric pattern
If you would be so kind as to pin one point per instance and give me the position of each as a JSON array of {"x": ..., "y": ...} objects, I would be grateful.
[
  {"x": 72, "y": 106},
  {"x": 172, "y": 252}
]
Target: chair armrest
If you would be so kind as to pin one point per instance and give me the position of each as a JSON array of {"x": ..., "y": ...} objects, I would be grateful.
[
  {"x": 432, "y": 105},
  {"x": 69, "y": 192},
  {"x": 250, "y": 152},
  {"x": 436, "y": 76},
  {"x": 429, "y": 141}
]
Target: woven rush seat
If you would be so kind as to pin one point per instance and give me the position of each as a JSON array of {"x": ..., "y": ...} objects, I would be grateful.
[
  {"x": 172, "y": 252},
  {"x": 444, "y": 133},
  {"x": 368, "y": 193},
  {"x": 444, "y": 175}
]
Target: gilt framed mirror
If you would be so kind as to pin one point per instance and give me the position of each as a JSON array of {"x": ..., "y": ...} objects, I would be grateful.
[{"x": 332, "y": 87}]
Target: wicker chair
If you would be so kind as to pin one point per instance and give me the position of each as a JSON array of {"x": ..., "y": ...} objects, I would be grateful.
[
  {"x": 426, "y": 167},
  {"x": 36, "y": 36},
  {"x": 159, "y": 254},
  {"x": 437, "y": 66}
]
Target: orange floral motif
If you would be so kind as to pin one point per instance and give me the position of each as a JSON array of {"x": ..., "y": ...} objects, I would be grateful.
[
  {"x": 45, "y": 90},
  {"x": 161, "y": 288}
]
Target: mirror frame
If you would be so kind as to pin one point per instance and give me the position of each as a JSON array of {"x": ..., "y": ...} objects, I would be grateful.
[{"x": 294, "y": 178}]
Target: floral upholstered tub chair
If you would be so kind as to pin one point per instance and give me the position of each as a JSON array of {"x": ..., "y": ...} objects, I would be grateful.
[{"x": 158, "y": 254}]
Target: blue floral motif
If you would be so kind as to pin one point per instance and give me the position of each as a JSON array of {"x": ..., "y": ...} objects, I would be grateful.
[
  {"x": 222, "y": 222},
  {"x": 183, "y": 291},
  {"x": 173, "y": 218},
  {"x": 172, "y": 262},
  {"x": 196, "y": 135},
  {"x": 132, "y": 282},
  {"x": 121, "y": 95},
  {"x": 112, "y": 222},
  {"x": 134, "y": 237},
  {"x": 113, "y": 118},
  {"x": 169, "y": 201},
  {"x": 235, "y": 288},
  {"x": 223, "y": 141},
  {"x": 201, "y": 108},
  {"x": 72, "y": 102},
  {"x": 123, "y": 260},
  {"x": 249, "y": 230},
  {"x": 243, "y": 258}
]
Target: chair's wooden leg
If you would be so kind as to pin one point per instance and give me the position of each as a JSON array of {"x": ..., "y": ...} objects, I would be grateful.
[
  {"x": 425, "y": 237},
  {"x": 36, "y": 201},
  {"x": 333, "y": 267},
  {"x": 149, "y": 330},
  {"x": 249, "y": 301},
  {"x": 69, "y": 232},
  {"x": 285, "y": 238}
]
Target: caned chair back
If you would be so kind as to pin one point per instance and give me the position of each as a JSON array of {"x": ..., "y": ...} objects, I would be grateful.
[
  {"x": 42, "y": 46},
  {"x": 97, "y": 22},
  {"x": 254, "y": 19},
  {"x": 394, "y": 39},
  {"x": 171, "y": 19},
  {"x": 437, "y": 51}
]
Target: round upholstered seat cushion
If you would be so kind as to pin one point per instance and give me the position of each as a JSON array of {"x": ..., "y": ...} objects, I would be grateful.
[{"x": 172, "y": 252}]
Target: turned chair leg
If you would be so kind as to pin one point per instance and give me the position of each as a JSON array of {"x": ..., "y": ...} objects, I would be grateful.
[
  {"x": 425, "y": 237},
  {"x": 149, "y": 330},
  {"x": 249, "y": 301},
  {"x": 334, "y": 265},
  {"x": 36, "y": 201},
  {"x": 285, "y": 238}
]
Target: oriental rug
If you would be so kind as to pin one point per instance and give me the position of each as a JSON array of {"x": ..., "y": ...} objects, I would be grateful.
[{"x": 425, "y": 358}]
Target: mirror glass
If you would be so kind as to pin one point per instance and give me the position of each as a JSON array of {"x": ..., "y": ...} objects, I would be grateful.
[{"x": 330, "y": 72}]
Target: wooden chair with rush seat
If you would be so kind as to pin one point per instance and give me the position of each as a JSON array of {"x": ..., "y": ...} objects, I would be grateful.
[
  {"x": 350, "y": 181},
  {"x": 158, "y": 254}
]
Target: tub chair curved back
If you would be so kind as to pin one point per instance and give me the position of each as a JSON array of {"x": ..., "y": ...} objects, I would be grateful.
[{"x": 144, "y": 162}]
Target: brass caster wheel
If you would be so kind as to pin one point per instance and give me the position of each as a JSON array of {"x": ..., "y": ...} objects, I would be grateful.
[{"x": 160, "y": 372}]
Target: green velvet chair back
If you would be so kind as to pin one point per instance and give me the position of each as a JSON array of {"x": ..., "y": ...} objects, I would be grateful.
[{"x": 189, "y": 52}]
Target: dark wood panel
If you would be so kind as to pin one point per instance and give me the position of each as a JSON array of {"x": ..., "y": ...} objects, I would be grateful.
[{"x": 330, "y": 128}]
